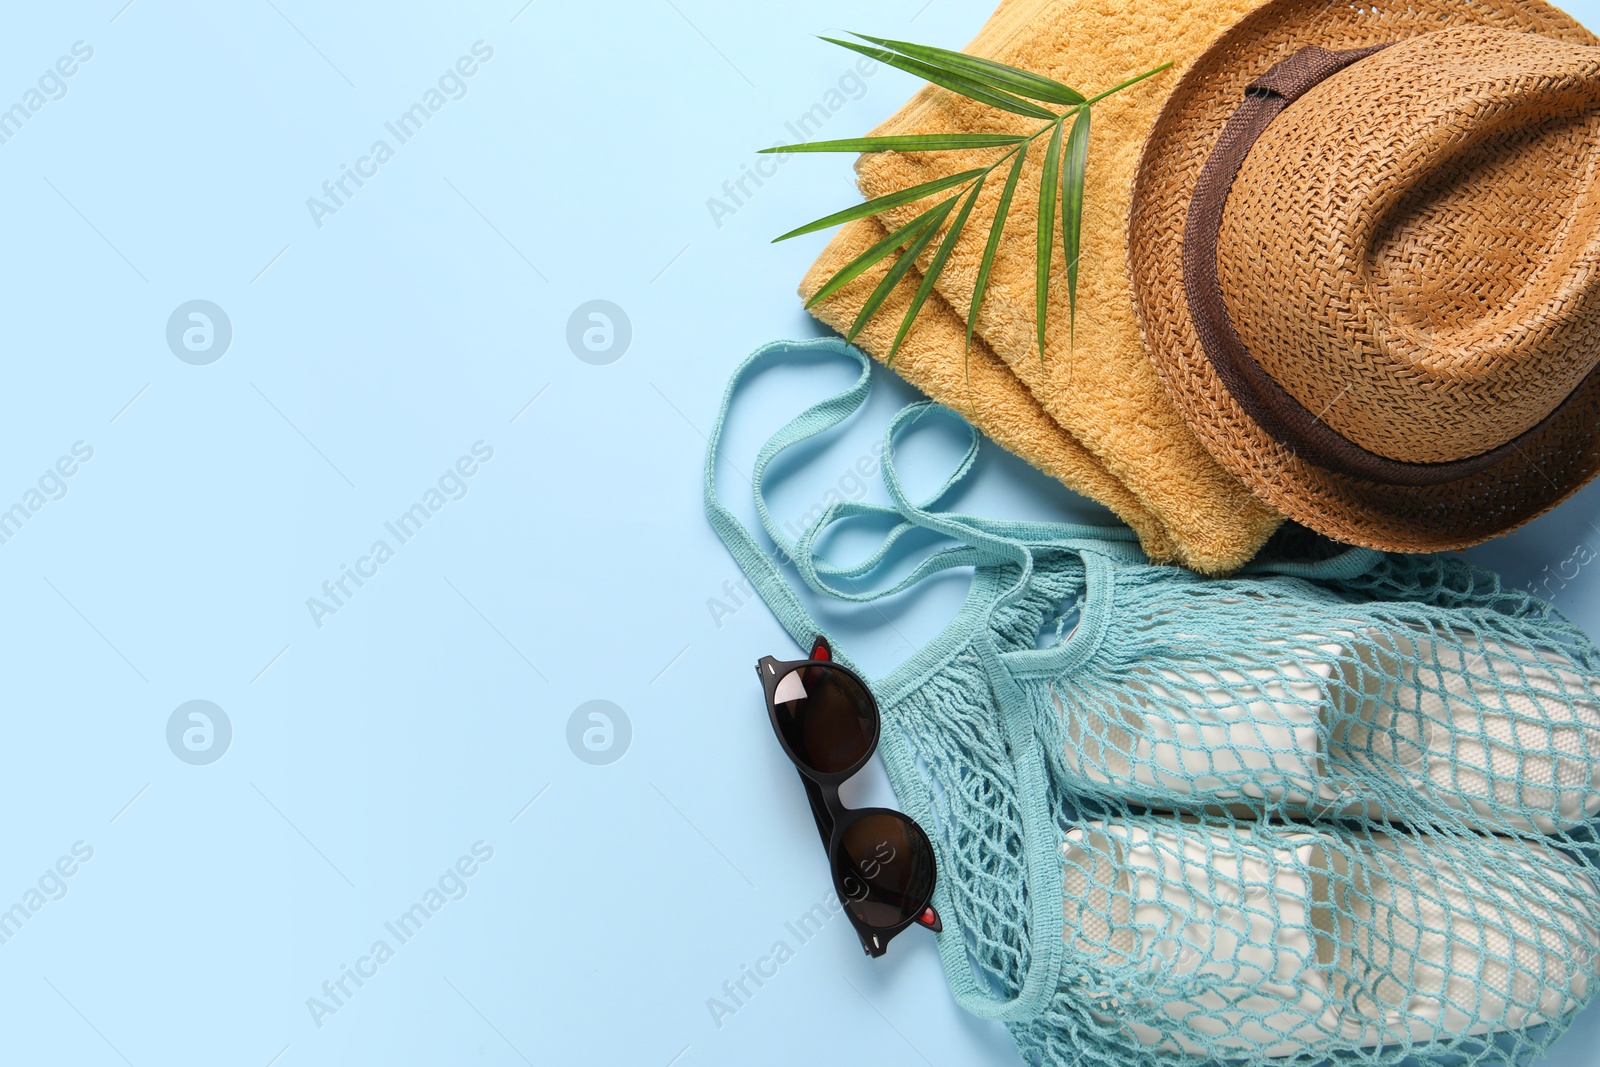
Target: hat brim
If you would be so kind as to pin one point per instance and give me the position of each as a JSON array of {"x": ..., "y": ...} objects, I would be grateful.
[{"x": 1543, "y": 472}]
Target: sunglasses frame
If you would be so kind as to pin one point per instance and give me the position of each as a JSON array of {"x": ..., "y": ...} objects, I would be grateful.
[{"x": 831, "y": 815}]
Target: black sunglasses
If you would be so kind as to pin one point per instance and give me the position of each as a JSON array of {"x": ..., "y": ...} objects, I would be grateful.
[{"x": 882, "y": 861}]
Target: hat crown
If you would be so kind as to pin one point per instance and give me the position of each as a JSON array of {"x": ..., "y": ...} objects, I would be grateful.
[{"x": 1412, "y": 248}]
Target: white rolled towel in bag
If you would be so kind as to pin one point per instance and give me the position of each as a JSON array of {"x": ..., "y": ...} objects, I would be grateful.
[
  {"x": 1478, "y": 725},
  {"x": 1491, "y": 726},
  {"x": 1220, "y": 941}
]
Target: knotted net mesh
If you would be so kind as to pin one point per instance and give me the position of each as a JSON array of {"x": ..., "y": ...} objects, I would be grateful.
[{"x": 1296, "y": 817}]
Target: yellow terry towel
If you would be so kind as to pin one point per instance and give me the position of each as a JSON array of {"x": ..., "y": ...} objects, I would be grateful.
[{"x": 1093, "y": 413}]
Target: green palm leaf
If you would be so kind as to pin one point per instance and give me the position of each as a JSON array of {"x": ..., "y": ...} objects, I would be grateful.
[
  {"x": 935, "y": 268},
  {"x": 1047, "y": 226},
  {"x": 883, "y": 203},
  {"x": 995, "y": 230},
  {"x": 862, "y": 263},
  {"x": 1077, "y": 155},
  {"x": 1117, "y": 88},
  {"x": 915, "y": 142},
  {"x": 958, "y": 83},
  {"x": 1061, "y": 186},
  {"x": 898, "y": 271},
  {"x": 1000, "y": 76}
]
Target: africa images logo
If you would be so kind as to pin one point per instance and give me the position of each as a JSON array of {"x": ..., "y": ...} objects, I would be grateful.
[
  {"x": 599, "y": 732},
  {"x": 451, "y": 485},
  {"x": 451, "y": 85},
  {"x": 199, "y": 732},
  {"x": 199, "y": 332},
  {"x": 599, "y": 332},
  {"x": 51, "y": 85},
  {"x": 452, "y": 885}
]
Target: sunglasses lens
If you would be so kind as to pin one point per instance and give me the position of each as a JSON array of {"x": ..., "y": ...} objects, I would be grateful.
[
  {"x": 827, "y": 717},
  {"x": 885, "y": 865}
]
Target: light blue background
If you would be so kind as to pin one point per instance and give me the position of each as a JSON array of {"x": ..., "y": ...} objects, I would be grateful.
[{"x": 430, "y": 712}]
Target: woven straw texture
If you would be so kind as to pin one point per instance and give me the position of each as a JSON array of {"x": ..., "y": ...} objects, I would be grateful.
[
  {"x": 1409, "y": 250},
  {"x": 1100, "y": 388}
]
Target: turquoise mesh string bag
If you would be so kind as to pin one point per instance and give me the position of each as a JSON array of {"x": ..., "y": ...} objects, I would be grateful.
[{"x": 1339, "y": 807}]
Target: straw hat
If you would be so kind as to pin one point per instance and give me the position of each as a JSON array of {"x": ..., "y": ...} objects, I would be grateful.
[{"x": 1364, "y": 247}]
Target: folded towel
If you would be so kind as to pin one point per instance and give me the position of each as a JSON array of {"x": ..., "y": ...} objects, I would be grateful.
[
  {"x": 1101, "y": 387},
  {"x": 983, "y": 388}
]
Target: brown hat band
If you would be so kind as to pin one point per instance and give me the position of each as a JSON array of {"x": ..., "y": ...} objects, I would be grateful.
[{"x": 1273, "y": 408}]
